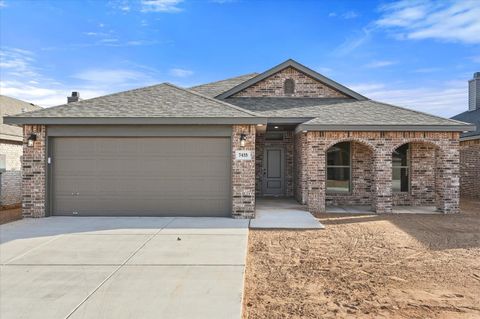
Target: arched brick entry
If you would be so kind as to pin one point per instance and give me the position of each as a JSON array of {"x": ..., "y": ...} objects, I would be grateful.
[
  {"x": 361, "y": 175},
  {"x": 435, "y": 175},
  {"x": 315, "y": 144}
]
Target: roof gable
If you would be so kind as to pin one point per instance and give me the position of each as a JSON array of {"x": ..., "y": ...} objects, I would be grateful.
[{"x": 314, "y": 81}]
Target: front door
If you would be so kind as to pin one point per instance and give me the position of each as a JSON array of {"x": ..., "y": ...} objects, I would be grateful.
[{"x": 273, "y": 183}]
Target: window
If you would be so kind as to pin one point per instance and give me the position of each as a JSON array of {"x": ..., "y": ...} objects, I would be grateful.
[
  {"x": 401, "y": 169},
  {"x": 289, "y": 87},
  {"x": 338, "y": 168}
]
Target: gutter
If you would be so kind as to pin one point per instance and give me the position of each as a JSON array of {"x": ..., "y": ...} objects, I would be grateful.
[
  {"x": 134, "y": 120},
  {"x": 395, "y": 128}
]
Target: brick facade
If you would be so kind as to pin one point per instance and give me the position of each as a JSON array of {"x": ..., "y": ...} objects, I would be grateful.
[
  {"x": 11, "y": 179},
  {"x": 470, "y": 168},
  {"x": 435, "y": 160},
  {"x": 287, "y": 145},
  {"x": 299, "y": 164},
  {"x": 434, "y": 181},
  {"x": 305, "y": 86},
  {"x": 362, "y": 162},
  {"x": 243, "y": 173},
  {"x": 34, "y": 169}
]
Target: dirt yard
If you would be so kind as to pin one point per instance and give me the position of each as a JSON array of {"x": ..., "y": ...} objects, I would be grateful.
[
  {"x": 9, "y": 215},
  {"x": 368, "y": 266}
]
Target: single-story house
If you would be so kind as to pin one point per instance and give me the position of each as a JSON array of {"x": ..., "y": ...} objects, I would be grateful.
[
  {"x": 210, "y": 150},
  {"x": 11, "y": 140},
  {"x": 470, "y": 143}
]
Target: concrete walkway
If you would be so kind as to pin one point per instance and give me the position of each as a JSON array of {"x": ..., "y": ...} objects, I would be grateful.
[
  {"x": 68, "y": 267},
  {"x": 283, "y": 213}
]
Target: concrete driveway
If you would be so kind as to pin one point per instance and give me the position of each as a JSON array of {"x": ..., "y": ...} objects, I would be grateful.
[{"x": 67, "y": 267}]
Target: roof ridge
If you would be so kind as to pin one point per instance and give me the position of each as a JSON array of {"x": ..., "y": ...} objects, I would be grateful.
[
  {"x": 418, "y": 112},
  {"x": 213, "y": 99},
  {"x": 227, "y": 79}
]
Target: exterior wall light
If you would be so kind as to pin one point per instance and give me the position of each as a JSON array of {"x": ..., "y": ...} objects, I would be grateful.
[
  {"x": 31, "y": 140},
  {"x": 243, "y": 138}
]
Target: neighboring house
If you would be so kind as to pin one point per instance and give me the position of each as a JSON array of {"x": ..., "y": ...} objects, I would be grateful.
[
  {"x": 11, "y": 140},
  {"x": 470, "y": 143},
  {"x": 210, "y": 150}
]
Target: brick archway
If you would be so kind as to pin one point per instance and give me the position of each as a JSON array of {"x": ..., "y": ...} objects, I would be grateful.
[
  {"x": 315, "y": 144},
  {"x": 360, "y": 175}
]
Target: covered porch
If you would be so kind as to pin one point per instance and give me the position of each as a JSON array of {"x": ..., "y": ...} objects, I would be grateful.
[{"x": 359, "y": 172}]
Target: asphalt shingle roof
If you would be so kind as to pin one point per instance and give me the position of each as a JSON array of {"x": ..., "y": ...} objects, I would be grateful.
[
  {"x": 216, "y": 88},
  {"x": 10, "y": 106},
  {"x": 338, "y": 111},
  {"x": 470, "y": 117},
  {"x": 163, "y": 100}
]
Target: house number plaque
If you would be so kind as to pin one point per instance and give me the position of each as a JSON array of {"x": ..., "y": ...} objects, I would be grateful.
[{"x": 243, "y": 155}]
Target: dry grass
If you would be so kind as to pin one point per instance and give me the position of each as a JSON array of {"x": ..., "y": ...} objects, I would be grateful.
[{"x": 369, "y": 266}]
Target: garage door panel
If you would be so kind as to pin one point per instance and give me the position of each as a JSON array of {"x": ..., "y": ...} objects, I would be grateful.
[{"x": 141, "y": 176}]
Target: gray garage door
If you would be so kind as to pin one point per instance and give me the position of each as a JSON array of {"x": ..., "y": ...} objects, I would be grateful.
[{"x": 167, "y": 176}]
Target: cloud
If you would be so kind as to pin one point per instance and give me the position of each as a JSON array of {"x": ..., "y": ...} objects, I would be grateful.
[
  {"x": 426, "y": 70},
  {"x": 17, "y": 61},
  {"x": 350, "y": 15},
  {"x": 3, "y": 4},
  {"x": 454, "y": 21},
  {"x": 170, "y": 6},
  {"x": 222, "y": 1},
  {"x": 180, "y": 73},
  {"x": 446, "y": 100},
  {"x": 380, "y": 64},
  {"x": 22, "y": 77},
  {"x": 346, "y": 15},
  {"x": 353, "y": 42},
  {"x": 122, "y": 5},
  {"x": 111, "y": 76}
]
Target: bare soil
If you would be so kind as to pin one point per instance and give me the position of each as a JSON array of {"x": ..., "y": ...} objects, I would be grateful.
[
  {"x": 368, "y": 266},
  {"x": 9, "y": 215}
]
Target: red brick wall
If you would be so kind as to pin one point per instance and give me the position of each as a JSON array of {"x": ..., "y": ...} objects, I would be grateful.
[
  {"x": 299, "y": 164},
  {"x": 470, "y": 168},
  {"x": 243, "y": 174},
  {"x": 305, "y": 86},
  {"x": 33, "y": 172},
  {"x": 446, "y": 167},
  {"x": 362, "y": 161}
]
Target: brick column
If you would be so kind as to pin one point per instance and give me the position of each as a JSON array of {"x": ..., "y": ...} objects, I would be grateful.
[
  {"x": 315, "y": 168},
  {"x": 34, "y": 172},
  {"x": 382, "y": 180},
  {"x": 448, "y": 178},
  {"x": 243, "y": 173},
  {"x": 300, "y": 158}
]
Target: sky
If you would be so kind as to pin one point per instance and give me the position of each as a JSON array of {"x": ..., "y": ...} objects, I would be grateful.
[{"x": 417, "y": 54}]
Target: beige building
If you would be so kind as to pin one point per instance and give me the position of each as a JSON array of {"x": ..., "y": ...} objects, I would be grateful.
[{"x": 11, "y": 140}]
